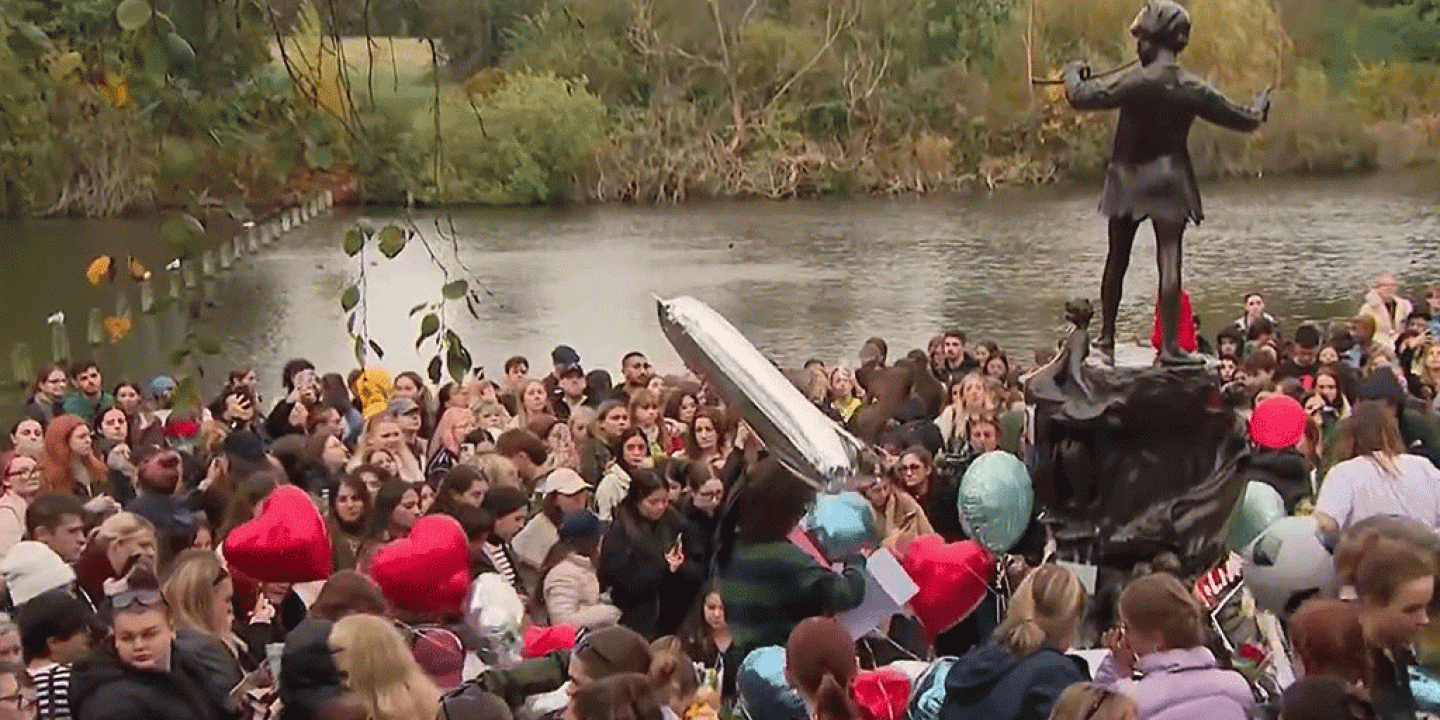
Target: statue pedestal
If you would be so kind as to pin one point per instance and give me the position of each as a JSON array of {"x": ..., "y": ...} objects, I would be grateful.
[{"x": 1131, "y": 462}]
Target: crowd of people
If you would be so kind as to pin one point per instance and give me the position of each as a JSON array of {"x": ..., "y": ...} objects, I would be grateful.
[{"x": 649, "y": 536}]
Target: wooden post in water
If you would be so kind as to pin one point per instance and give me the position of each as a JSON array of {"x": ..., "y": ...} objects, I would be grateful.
[
  {"x": 207, "y": 263},
  {"x": 147, "y": 296},
  {"x": 22, "y": 365},
  {"x": 59, "y": 338},
  {"x": 227, "y": 253},
  {"x": 95, "y": 328}
]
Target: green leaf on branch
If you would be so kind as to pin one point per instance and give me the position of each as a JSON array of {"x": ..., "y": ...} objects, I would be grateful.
[
  {"x": 418, "y": 308},
  {"x": 179, "y": 50},
  {"x": 457, "y": 361},
  {"x": 38, "y": 40},
  {"x": 392, "y": 240},
  {"x": 360, "y": 351},
  {"x": 434, "y": 370},
  {"x": 375, "y": 348},
  {"x": 207, "y": 344},
  {"x": 182, "y": 230},
  {"x": 177, "y": 357},
  {"x": 350, "y": 298},
  {"x": 429, "y": 325},
  {"x": 187, "y": 394},
  {"x": 455, "y": 289},
  {"x": 132, "y": 14},
  {"x": 354, "y": 241}
]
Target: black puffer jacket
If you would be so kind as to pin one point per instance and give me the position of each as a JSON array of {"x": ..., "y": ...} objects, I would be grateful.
[{"x": 103, "y": 688}]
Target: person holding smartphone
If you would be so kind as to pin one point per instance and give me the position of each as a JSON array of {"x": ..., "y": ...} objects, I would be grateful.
[
  {"x": 642, "y": 558},
  {"x": 302, "y": 387}
]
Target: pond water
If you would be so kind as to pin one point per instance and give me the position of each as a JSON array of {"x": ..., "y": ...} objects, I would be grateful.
[{"x": 800, "y": 279}]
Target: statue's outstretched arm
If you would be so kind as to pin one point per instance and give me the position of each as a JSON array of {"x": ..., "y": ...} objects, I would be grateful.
[
  {"x": 1094, "y": 93},
  {"x": 1213, "y": 106}
]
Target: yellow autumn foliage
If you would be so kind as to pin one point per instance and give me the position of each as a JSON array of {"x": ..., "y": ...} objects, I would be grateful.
[{"x": 315, "y": 62}]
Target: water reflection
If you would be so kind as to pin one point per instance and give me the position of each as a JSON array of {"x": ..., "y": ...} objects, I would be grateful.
[{"x": 809, "y": 279}]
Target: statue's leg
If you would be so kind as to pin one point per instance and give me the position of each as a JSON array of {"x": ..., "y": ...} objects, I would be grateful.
[
  {"x": 1168, "y": 236},
  {"x": 1117, "y": 261}
]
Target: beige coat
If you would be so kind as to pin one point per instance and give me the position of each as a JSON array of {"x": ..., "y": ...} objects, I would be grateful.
[
  {"x": 902, "y": 520},
  {"x": 572, "y": 595}
]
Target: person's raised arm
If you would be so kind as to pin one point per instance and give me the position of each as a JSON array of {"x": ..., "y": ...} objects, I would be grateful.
[{"x": 1214, "y": 107}]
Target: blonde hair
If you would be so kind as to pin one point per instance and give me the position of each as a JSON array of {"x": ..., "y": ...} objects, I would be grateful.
[
  {"x": 190, "y": 592},
  {"x": 407, "y": 466},
  {"x": 378, "y": 667},
  {"x": 1045, "y": 610},
  {"x": 1083, "y": 701},
  {"x": 122, "y": 526},
  {"x": 497, "y": 470}
]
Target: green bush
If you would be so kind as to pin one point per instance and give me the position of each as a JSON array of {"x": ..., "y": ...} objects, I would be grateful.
[{"x": 524, "y": 144}]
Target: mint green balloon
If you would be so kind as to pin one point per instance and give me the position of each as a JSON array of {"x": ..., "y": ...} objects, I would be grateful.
[
  {"x": 996, "y": 498},
  {"x": 1259, "y": 508}
]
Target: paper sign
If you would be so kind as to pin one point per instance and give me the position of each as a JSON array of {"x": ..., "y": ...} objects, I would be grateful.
[
  {"x": 887, "y": 588},
  {"x": 1088, "y": 574}
]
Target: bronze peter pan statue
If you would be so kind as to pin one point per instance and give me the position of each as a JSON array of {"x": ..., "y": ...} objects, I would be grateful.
[{"x": 1149, "y": 174}]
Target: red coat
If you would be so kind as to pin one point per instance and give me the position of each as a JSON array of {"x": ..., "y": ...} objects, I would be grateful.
[{"x": 1188, "y": 341}]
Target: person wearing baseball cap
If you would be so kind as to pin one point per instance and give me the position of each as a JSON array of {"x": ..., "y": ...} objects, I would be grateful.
[
  {"x": 563, "y": 491},
  {"x": 565, "y": 359}
]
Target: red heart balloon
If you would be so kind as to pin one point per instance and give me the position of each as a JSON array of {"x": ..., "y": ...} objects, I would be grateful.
[
  {"x": 286, "y": 541},
  {"x": 953, "y": 578},
  {"x": 427, "y": 571}
]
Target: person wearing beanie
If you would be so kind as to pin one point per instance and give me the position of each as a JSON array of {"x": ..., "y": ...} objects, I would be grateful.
[
  {"x": 507, "y": 508},
  {"x": 32, "y": 568},
  {"x": 570, "y": 589},
  {"x": 563, "y": 359},
  {"x": 1418, "y": 428}
]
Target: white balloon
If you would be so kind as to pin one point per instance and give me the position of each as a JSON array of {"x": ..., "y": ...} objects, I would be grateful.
[
  {"x": 1288, "y": 560},
  {"x": 793, "y": 429}
]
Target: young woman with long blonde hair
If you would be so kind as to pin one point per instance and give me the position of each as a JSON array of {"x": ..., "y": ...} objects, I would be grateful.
[{"x": 379, "y": 669}]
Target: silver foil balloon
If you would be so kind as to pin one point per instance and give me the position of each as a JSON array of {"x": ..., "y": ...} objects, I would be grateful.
[
  {"x": 794, "y": 430},
  {"x": 495, "y": 612}
]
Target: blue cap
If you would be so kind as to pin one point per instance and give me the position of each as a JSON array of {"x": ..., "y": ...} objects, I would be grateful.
[{"x": 579, "y": 524}]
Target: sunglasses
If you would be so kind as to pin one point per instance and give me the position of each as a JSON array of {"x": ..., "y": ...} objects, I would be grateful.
[
  {"x": 586, "y": 644},
  {"x": 127, "y": 599}
]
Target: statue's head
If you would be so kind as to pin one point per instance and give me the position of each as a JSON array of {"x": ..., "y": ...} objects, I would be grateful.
[
  {"x": 1161, "y": 24},
  {"x": 1079, "y": 311}
]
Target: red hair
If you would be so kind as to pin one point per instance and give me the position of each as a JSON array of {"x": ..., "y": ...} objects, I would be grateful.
[
  {"x": 56, "y": 461},
  {"x": 1328, "y": 640}
]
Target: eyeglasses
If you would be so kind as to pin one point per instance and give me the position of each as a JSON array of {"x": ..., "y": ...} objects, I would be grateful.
[
  {"x": 32, "y": 472},
  {"x": 127, "y": 599}
]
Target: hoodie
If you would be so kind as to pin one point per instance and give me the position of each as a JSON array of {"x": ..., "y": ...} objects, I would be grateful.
[
  {"x": 104, "y": 688},
  {"x": 308, "y": 678},
  {"x": 989, "y": 683}
]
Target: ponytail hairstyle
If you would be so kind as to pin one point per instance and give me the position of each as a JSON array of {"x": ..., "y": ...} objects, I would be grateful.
[
  {"x": 1159, "y": 604},
  {"x": 1045, "y": 610},
  {"x": 820, "y": 663},
  {"x": 628, "y": 696},
  {"x": 671, "y": 671}
]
